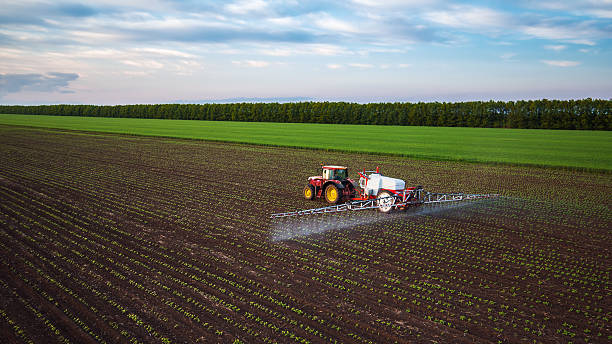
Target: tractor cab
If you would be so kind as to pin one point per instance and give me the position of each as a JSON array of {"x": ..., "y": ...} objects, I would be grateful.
[{"x": 335, "y": 172}]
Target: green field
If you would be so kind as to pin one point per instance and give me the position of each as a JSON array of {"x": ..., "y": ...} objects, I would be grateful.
[{"x": 578, "y": 149}]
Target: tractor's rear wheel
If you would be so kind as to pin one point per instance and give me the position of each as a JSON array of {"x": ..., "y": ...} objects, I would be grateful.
[
  {"x": 309, "y": 192},
  {"x": 332, "y": 194},
  {"x": 385, "y": 205}
]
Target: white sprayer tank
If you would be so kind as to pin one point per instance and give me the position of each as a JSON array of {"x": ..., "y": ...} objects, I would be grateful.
[{"x": 377, "y": 182}]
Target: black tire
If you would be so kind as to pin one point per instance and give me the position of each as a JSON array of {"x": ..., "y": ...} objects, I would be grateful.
[
  {"x": 385, "y": 206},
  {"x": 332, "y": 194},
  {"x": 309, "y": 192},
  {"x": 352, "y": 191}
]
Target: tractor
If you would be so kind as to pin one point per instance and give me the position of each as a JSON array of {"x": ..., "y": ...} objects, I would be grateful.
[
  {"x": 333, "y": 184},
  {"x": 375, "y": 192}
]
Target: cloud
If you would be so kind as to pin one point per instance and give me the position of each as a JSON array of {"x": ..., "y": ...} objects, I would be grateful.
[
  {"x": 367, "y": 22},
  {"x": 84, "y": 36},
  {"x": 146, "y": 64},
  {"x": 246, "y": 6},
  {"x": 52, "y": 82},
  {"x": 284, "y": 21},
  {"x": 394, "y": 3},
  {"x": 160, "y": 40},
  {"x": 303, "y": 49},
  {"x": 584, "y": 32},
  {"x": 488, "y": 21},
  {"x": 595, "y": 8},
  {"x": 607, "y": 14},
  {"x": 101, "y": 60},
  {"x": 555, "y": 47},
  {"x": 361, "y": 65},
  {"x": 252, "y": 63},
  {"x": 548, "y": 31},
  {"x": 327, "y": 22},
  {"x": 582, "y": 41},
  {"x": 164, "y": 52},
  {"x": 205, "y": 34},
  {"x": 559, "y": 63},
  {"x": 471, "y": 17}
]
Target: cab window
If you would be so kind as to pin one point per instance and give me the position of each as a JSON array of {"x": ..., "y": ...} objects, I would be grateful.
[{"x": 327, "y": 174}]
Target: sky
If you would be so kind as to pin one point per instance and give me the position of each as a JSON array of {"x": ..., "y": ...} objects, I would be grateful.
[{"x": 167, "y": 51}]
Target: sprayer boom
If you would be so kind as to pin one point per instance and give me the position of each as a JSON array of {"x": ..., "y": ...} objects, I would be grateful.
[{"x": 393, "y": 201}]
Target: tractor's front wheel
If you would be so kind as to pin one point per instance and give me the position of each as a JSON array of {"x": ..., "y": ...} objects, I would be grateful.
[
  {"x": 385, "y": 204},
  {"x": 332, "y": 194},
  {"x": 309, "y": 192}
]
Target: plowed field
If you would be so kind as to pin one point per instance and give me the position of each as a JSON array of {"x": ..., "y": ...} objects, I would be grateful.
[{"x": 108, "y": 238}]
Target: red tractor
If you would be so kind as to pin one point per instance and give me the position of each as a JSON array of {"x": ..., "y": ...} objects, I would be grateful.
[
  {"x": 375, "y": 192},
  {"x": 334, "y": 185}
]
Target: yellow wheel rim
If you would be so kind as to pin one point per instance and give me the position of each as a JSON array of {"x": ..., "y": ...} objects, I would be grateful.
[
  {"x": 332, "y": 194},
  {"x": 307, "y": 192}
]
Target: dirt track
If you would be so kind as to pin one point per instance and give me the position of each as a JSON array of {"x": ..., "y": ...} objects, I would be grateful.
[{"x": 108, "y": 238}]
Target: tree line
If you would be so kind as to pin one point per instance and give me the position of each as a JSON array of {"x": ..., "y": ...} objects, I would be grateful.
[{"x": 591, "y": 114}]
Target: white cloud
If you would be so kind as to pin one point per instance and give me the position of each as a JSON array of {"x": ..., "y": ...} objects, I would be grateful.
[
  {"x": 578, "y": 33},
  {"x": 8, "y": 53},
  {"x": 285, "y": 21},
  {"x": 468, "y": 17},
  {"x": 252, "y": 63},
  {"x": 304, "y": 49},
  {"x": 508, "y": 56},
  {"x": 556, "y": 47},
  {"x": 404, "y": 65},
  {"x": 149, "y": 58},
  {"x": 549, "y": 32},
  {"x": 559, "y": 63},
  {"x": 278, "y": 51},
  {"x": 485, "y": 20},
  {"x": 361, "y": 65},
  {"x": 334, "y": 66},
  {"x": 595, "y": 8},
  {"x": 136, "y": 73},
  {"x": 394, "y": 3},
  {"x": 148, "y": 64},
  {"x": 327, "y": 22},
  {"x": 582, "y": 41},
  {"x": 89, "y": 36},
  {"x": 89, "y": 61},
  {"x": 246, "y": 6},
  {"x": 379, "y": 50},
  {"x": 168, "y": 23},
  {"x": 327, "y": 49},
  {"x": 601, "y": 13},
  {"x": 164, "y": 52}
]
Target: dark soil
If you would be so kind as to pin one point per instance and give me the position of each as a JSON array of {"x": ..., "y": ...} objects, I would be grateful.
[{"x": 109, "y": 238}]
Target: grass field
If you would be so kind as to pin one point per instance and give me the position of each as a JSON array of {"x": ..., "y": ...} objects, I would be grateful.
[{"x": 576, "y": 149}]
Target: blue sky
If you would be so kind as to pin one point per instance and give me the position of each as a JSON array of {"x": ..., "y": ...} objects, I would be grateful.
[{"x": 154, "y": 51}]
